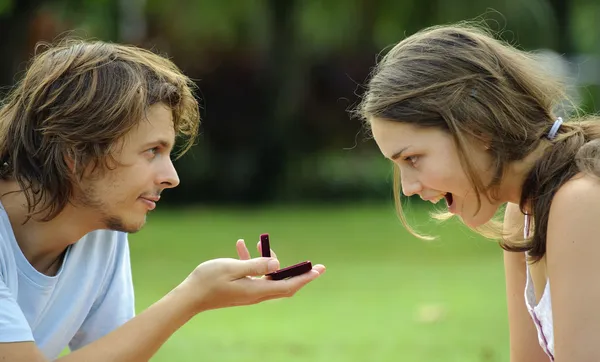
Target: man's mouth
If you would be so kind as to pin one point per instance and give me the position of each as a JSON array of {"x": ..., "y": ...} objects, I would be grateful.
[{"x": 150, "y": 201}]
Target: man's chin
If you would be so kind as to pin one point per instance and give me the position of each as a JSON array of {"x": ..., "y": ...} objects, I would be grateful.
[{"x": 130, "y": 227}]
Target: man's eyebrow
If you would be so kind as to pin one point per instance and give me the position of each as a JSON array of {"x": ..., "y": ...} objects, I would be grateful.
[
  {"x": 397, "y": 155},
  {"x": 161, "y": 142}
]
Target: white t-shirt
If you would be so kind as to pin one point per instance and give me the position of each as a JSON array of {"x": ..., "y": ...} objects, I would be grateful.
[{"x": 91, "y": 295}]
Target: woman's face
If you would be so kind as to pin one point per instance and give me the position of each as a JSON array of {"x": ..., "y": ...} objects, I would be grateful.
[{"x": 430, "y": 167}]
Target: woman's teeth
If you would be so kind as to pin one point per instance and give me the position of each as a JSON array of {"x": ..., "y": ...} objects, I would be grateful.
[{"x": 437, "y": 199}]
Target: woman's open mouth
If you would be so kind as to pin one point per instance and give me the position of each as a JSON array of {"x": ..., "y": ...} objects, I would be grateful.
[{"x": 449, "y": 199}]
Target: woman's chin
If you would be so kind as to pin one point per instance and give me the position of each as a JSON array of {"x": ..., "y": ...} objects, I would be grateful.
[
  {"x": 475, "y": 221},
  {"x": 475, "y": 217}
]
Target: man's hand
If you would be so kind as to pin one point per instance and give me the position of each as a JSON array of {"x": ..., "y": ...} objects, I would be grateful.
[{"x": 227, "y": 282}]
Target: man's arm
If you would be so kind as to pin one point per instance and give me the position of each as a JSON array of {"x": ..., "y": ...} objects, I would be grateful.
[
  {"x": 136, "y": 340},
  {"x": 15, "y": 333},
  {"x": 214, "y": 284}
]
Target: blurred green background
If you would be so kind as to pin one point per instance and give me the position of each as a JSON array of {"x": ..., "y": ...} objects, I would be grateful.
[
  {"x": 279, "y": 153},
  {"x": 385, "y": 296}
]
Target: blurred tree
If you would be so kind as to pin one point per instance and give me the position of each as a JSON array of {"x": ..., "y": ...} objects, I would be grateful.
[
  {"x": 563, "y": 28},
  {"x": 97, "y": 19},
  {"x": 15, "y": 19},
  {"x": 276, "y": 77},
  {"x": 5, "y": 6}
]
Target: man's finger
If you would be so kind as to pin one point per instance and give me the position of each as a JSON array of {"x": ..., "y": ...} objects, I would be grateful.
[
  {"x": 296, "y": 283},
  {"x": 284, "y": 288},
  {"x": 320, "y": 268},
  {"x": 259, "y": 247},
  {"x": 255, "y": 267},
  {"x": 242, "y": 250}
]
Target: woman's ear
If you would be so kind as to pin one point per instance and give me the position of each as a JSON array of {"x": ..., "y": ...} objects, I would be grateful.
[{"x": 482, "y": 141}]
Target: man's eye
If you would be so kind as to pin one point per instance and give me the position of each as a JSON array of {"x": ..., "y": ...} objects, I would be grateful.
[{"x": 153, "y": 151}]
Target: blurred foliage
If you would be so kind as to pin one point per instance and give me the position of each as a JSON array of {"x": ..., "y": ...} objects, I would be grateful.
[
  {"x": 276, "y": 78},
  {"x": 5, "y": 6},
  {"x": 91, "y": 18},
  {"x": 227, "y": 23}
]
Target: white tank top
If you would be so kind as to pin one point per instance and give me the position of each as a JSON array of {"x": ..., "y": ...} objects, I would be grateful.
[{"x": 541, "y": 314}]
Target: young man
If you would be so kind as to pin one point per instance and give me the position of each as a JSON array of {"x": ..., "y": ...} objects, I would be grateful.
[{"x": 85, "y": 145}]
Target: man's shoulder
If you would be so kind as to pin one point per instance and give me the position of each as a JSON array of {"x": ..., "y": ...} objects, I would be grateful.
[{"x": 7, "y": 242}]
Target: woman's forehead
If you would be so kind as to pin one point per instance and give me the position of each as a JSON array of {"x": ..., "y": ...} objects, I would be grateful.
[{"x": 402, "y": 134}]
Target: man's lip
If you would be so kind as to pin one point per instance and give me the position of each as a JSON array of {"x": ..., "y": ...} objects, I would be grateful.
[{"x": 151, "y": 198}]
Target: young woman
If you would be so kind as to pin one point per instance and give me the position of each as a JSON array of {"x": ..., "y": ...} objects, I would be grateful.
[{"x": 469, "y": 119}]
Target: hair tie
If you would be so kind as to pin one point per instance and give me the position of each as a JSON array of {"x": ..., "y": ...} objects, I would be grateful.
[{"x": 554, "y": 129}]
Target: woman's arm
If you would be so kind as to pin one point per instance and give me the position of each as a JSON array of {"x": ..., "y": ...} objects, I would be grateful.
[
  {"x": 573, "y": 248},
  {"x": 524, "y": 345}
]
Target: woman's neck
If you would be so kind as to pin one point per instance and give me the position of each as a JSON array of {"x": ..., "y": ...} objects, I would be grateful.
[{"x": 511, "y": 189}]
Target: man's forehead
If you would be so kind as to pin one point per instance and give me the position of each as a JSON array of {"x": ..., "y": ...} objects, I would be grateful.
[
  {"x": 158, "y": 124},
  {"x": 150, "y": 133}
]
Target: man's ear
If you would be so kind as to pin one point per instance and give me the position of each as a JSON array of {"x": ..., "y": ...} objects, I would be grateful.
[{"x": 71, "y": 160}]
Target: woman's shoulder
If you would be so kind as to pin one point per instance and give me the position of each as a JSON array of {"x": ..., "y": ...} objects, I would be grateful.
[
  {"x": 574, "y": 201},
  {"x": 574, "y": 214},
  {"x": 581, "y": 190}
]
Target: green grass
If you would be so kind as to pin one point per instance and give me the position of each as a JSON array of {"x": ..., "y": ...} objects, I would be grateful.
[{"x": 386, "y": 296}]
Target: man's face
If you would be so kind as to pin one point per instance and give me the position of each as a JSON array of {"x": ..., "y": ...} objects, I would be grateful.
[{"x": 121, "y": 196}]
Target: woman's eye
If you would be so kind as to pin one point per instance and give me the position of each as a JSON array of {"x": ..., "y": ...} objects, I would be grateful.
[{"x": 411, "y": 159}]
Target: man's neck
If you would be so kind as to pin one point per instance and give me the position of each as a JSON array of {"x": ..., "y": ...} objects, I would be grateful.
[{"x": 42, "y": 243}]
